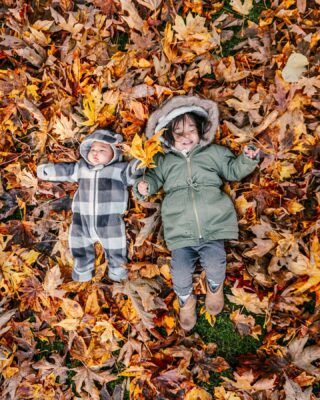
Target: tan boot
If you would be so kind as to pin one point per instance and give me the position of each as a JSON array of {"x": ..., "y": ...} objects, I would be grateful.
[
  {"x": 188, "y": 315},
  {"x": 214, "y": 300}
]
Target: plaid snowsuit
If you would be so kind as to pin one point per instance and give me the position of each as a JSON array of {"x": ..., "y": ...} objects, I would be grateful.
[{"x": 98, "y": 205}]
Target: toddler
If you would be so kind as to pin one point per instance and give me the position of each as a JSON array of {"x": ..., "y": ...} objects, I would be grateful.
[
  {"x": 98, "y": 204},
  {"x": 197, "y": 216}
]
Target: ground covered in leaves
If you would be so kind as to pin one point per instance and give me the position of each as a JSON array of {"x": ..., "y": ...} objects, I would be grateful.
[{"x": 68, "y": 67}]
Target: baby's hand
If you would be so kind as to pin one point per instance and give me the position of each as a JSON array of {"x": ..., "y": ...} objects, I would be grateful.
[
  {"x": 143, "y": 188},
  {"x": 251, "y": 151}
]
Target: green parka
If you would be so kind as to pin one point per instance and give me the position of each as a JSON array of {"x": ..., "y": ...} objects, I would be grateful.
[{"x": 194, "y": 206}]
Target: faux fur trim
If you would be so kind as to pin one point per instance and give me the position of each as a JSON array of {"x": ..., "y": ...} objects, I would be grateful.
[{"x": 171, "y": 108}]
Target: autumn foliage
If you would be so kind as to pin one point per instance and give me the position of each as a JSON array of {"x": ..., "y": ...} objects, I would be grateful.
[{"x": 68, "y": 67}]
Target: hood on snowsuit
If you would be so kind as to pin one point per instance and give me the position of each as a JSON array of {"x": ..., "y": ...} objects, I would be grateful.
[
  {"x": 103, "y": 136},
  {"x": 179, "y": 105}
]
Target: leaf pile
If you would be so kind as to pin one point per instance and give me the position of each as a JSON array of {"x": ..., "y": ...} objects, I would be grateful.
[{"x": 68, "y": 67}]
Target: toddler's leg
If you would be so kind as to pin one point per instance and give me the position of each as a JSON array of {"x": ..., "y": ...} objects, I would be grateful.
[
  {"x": 182, "y": 268},
  {"x": 213, "y": 259},
  {"x": 183, "y": 262},
  {"x": 82, "y": 249}
]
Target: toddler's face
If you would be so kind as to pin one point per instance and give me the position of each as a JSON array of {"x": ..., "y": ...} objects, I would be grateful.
[
  {"x": 185, "y": 134},
  {"x": 100, "y": 153}
]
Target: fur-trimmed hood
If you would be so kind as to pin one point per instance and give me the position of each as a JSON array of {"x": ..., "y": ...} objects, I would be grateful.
[
  {"x": 179, "y": 105},
  {"x": 103, "y": 136}
]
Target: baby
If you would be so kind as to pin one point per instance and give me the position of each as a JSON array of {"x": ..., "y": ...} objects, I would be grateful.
[
  {"x": 197, "y": 216},
  {"x": 98, "y": 204}
]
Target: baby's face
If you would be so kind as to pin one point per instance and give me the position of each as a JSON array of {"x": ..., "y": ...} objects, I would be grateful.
[
  {"x": 100, "y": 153},
  {"x": 185, "y": 135}
]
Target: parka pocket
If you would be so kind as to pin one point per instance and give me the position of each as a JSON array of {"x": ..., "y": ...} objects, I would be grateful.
[
  {"x": 176, "y": 223},
  {"x": 217, "y": 211}
]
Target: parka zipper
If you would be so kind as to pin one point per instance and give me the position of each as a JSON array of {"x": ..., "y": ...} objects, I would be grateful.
[{"x": 193, "y": 197}]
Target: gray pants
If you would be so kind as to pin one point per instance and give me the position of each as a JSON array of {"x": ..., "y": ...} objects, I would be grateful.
[{"x": 212, "y": 257}]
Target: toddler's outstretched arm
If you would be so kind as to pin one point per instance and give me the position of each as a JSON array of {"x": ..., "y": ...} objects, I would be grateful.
[
  {"x": 151, "y": 182},
  {"x": 236, "y": 168},
  {"x": 60, "y": 172}
]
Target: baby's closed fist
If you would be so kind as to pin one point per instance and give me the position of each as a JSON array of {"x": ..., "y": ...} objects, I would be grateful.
[{"x": 143, "y": 188}]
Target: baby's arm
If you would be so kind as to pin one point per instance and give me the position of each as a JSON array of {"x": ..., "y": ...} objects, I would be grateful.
[
  {"x": 150, "y": 183},
  {"x": 236, "y": 168},
  {"x": 59, "y": 172},
  {"x": 131, "y": 173}
]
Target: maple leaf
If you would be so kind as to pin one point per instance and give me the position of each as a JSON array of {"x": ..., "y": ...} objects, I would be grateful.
[
  {"x": 303, "y": 357},
  {"x": 245, "y": 324},
  {"x": 72, "y": 308},
  {"x": 204, "y": 362},
  {"x": 133, "y": 19},
  {"x": 85, "y": 379},
  {"x": 110, "y": 334},
  {"x": 143, "y": 295},
  {"x": 248, "y": 382},
  {"x": 242, "y": 8},
  {"x": 128, "y": 349},
  {"x": 45, "y": 367},
  {"x": 197, "y": 393},
  {"x": 150, "y": 223},
  {"x": 302, "y": 266},
  {"x": 95, "y": 108},
  {"x": 144, "y": 150},
  {"x": 65, "y": 128},
  {"x": 230, "y": 73},
  {"x": 294, "y": 392},
  {"x": 51, "y": 281},
  {"x": 194, "y": 35},
  {"x": 249, "y": 300}
]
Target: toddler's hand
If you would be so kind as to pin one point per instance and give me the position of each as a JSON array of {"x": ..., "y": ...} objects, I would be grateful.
[
  {"x": 251, "y": 151},
  {"x": 143, "y": 188}
]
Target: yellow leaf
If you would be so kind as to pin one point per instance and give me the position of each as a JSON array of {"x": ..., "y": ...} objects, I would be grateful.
[
  {"x": 249, "y": 300},
  {"x": 132, "y": 371},
  {"x": 197, "y": 393},
  {"x": 71, "y": 308},
  {"x": 9, "y": 372},
  {"x": 286, "y": 170},
  {"x": 293, "y": 206},
  {"x": 92, "y": 306},
  {"x": 165, "y": 271},
  {"x": 69, "y": 324},
  {"x": 220, "y": 393},
  {"x": 169, "y": 323},
  {"x": 95, "y": 107},
  {"x": 210, "y": 318},
  {"x": 144, "y": 151}
]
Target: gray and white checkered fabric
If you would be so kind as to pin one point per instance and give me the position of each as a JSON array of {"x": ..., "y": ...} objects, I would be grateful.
[{"x": 98, "y": 205}]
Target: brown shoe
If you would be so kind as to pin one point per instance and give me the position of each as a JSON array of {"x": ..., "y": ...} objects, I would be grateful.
[
  {"x": 188, "y": 315},
  {"x": 214, "y": 300}
]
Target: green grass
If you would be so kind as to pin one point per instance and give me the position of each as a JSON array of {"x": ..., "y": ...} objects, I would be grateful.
[{"x": 230, "y": 343}]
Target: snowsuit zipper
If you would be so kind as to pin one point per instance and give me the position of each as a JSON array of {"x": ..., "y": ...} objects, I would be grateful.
[{"x": 95, "y": 202}]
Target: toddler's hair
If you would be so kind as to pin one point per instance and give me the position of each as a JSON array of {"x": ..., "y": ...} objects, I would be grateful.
[{"x": 202, "y": 125}]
